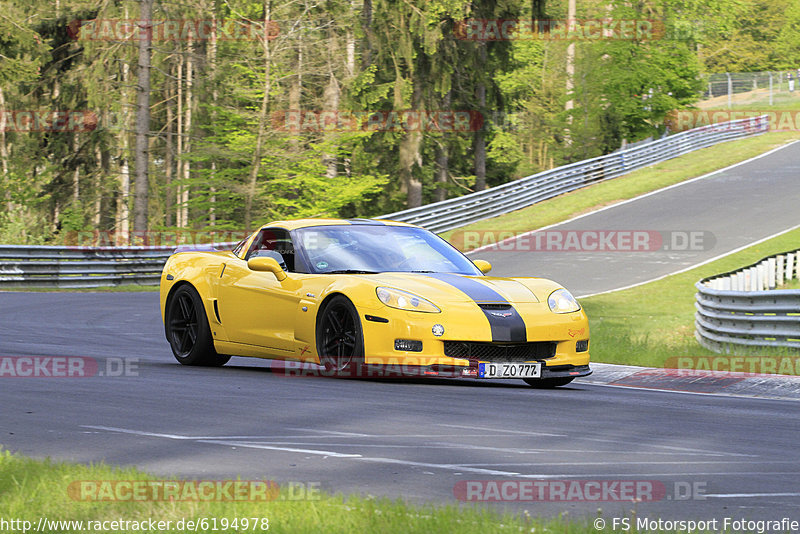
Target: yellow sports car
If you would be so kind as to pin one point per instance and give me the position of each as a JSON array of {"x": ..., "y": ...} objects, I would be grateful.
[{"x": 365, "y": 297}]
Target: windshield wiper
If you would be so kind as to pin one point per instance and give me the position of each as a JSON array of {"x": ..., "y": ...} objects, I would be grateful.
[{"x": 350, "y": 271}]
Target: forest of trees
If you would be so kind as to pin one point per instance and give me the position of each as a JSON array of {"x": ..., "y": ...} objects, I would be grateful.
[{"x": 295, "y": 108}]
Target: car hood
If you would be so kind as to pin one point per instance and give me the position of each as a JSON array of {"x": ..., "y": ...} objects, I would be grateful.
[{"x": 445, "y": 287}]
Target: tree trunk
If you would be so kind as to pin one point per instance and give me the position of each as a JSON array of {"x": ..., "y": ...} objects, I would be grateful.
[
  {"x": 296, "y": 91},
  {"x": 76, "y": 173},
  {"x": 4, "y": 153},
  {"x": 331, "y": 98},
  {"x": 442, "y": 157},
  {"x": 142, "y": 159},
  {"x": 571, "y": 9},
  {"x": 212, "y": 76},
  {"x": 441, "y": 171},
  {"x": 179, "y": 147},
  {"x": 122, "y": 225},
  {"x": 366, "y": 24},
  {"x": 410, "y": 154},
  {"x": 187, "y": 128},
  {"x": 480, "y": 135},
  {"x": 351, "y": 45},
  {"x": 169, "y": 159},
  {"x": 255, "y": 167},
  {"x": 97, "y": 208}
]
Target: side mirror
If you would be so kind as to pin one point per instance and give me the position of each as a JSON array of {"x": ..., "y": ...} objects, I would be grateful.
[
  {"x": 268, "y": 265},
  {"x": 483, "y": 265}
]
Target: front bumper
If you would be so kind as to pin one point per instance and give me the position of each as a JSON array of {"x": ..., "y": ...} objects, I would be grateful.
[{"x": 440, "y": 371}]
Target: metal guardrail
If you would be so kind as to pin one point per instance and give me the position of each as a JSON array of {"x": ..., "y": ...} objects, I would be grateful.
[
  {"x": 743, "y": 308},
  {"x": 463, "y": 210},
  {"x": 84, "y": 267}
]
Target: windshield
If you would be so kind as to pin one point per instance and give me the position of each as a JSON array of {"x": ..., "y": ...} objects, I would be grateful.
[{"x": 378, "y": 248}]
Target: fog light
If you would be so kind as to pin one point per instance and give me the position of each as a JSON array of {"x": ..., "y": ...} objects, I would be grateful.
[
  {"x": 582, "y": 345},
  {"x": 408, "y": 345}
]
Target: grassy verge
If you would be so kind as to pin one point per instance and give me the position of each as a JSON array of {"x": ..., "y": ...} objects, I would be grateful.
[
  {"x": 32, "y": 489},
  {"x": 648, "y": 324},
  {"x": 637, "y": 183}
]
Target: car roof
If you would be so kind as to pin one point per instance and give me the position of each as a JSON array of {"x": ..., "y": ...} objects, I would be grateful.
[{"x": 305, "y": 223}]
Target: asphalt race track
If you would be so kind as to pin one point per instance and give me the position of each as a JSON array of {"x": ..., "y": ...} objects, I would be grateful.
[
  {"x": 704, "y": 456},
  {"x": 696, "y": 220}
]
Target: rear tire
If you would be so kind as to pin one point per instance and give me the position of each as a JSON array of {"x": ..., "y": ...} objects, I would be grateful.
[
  {"x": 548, "y": 383},
  {"x": 340, "y": 339},
  {"x": 188, "y": 332}
]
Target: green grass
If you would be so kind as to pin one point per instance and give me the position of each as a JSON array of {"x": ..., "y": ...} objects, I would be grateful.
[
  {"x": 648, "y": 324},
  {"x": 30, "y": 489},
  {"x": 791, "y": 284},
  {"x": 634, "y": 184}
]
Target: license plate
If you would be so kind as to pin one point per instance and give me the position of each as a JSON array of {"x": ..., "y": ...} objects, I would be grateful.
[{"x": 510, "y": 370}]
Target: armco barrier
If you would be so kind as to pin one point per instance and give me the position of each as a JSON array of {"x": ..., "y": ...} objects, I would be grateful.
[
  {"x": 83, "y": 267},
  {"x": 460, "y": 211},
  {"x": 743, "y": 307}
]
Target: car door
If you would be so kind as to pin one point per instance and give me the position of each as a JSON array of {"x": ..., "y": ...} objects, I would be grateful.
[{"x": 255, "y": 308}]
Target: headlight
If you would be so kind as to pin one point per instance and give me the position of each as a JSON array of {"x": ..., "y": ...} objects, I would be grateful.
[
  {"x": 562, "y": 301},
  {"x": 403, "y": 300}
]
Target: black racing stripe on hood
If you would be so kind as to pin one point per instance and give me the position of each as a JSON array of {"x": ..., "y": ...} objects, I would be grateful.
[{"x": 507, "y": 325}]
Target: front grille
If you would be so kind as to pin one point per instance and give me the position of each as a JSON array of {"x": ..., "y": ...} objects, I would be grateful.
[
  {"x": 490, "y": 306},
  {"x": 500, "y": 352}
]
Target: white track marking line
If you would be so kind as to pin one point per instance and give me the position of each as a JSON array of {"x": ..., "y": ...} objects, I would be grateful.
[
  {"x": 747, "y": 495},
  {"x": 645, "y": 195},
  {"x": 689, "y": 268},
  {"x": 578, "y": 438},
  {"x": 218, "y": 441},
  {"x": 453, "y": 446},
  {"x": 628, "y": 476},
  {"x": 285, "y": 449},
  {"x": 449, "y": 446},
  {"x": 718, "y": 394},
  {"x": 333, "y": 432},
  {"x": 139, "y": 432},
  {"x": 447, "y": 467},
  {"x": 527, "y": 433},
  {"x": 672, "y": 448},
  {"x": 642, "y": 462}
]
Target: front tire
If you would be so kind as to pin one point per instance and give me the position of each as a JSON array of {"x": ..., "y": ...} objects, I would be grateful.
[
  {"x": 188, "y": 332},
  {"x": 548, "y": 383},
  {"x": 340, "y": 339}
]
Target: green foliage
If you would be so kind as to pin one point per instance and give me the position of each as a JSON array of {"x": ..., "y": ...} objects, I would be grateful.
[{"x": 758, "y": 40}]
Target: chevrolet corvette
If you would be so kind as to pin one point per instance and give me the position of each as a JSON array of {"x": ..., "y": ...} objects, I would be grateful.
[{"x": 352, "y": 296}]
